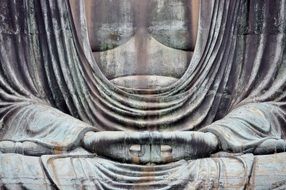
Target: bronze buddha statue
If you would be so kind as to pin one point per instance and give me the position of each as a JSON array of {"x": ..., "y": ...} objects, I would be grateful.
[{"x": 155, "y": 94}]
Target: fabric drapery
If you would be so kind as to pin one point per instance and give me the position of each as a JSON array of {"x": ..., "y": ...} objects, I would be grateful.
[{"x": 52, "y": 90}]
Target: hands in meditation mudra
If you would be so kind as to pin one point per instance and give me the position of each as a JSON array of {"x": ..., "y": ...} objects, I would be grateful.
[
  {"x": 151, "y": 147},
  {"x": 142, "y": 83}
]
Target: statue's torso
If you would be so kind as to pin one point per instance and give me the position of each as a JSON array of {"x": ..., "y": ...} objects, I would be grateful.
[{"x": 142, "y": 44}]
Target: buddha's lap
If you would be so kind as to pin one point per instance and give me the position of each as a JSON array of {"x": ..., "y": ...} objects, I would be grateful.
[{"x": 75, "y": 171}]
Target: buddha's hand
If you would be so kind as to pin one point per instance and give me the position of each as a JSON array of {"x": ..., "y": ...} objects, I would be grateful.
[
  {"x": 150, "y": 147},
  {"x": 114, "y": 144},
  {"x": 190, "y": 144}
]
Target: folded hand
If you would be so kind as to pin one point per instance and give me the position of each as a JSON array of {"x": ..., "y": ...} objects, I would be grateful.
[{"x": 154, "y": 147}]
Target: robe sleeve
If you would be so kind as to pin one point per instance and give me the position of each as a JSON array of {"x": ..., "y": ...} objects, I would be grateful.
[
  {"x": 257, "y": 111},
  {"x": 245, "y": 128},
  {"x": 43, "y": 125},
  {"x": 32, "y": 88}
]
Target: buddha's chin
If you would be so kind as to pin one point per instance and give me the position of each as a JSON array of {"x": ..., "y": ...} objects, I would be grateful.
[{"x": 144, "y": 81}]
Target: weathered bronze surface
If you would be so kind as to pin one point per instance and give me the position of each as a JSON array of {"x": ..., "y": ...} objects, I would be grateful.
[{"x": 151, "y": 94}]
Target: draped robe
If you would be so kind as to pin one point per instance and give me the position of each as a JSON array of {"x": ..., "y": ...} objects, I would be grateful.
[{"x": 52, "y": 92}]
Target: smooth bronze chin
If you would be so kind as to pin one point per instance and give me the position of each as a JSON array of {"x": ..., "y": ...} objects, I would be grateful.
[{"x": 142, "y": 94}]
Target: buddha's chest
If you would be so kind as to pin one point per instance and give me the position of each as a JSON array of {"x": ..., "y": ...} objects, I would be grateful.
[
  {"x": 113, "y": 22},
  {"x": 142, "y": 44}
]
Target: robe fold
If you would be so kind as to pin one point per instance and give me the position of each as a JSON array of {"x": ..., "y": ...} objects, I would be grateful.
[{"x": 52, "y": 91}]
